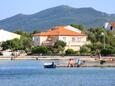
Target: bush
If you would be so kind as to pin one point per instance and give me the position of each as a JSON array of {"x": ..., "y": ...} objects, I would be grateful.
[
  {"x": 40, "y": 50},
  {"x": 58, "y": 47},
  {"x": 84, "y": 50},
  {"x": 1, "y": 54},
  {"x": 70, "y": 52},
  {"x": 113, "y": 51},
  {"x": 106, "y": 52}
]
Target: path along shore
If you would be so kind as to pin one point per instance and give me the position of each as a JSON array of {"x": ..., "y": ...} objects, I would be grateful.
[{"x": 89, "y": 61}]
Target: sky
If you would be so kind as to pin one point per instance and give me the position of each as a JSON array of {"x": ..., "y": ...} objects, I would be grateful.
[{"x": 10, "y": 8}]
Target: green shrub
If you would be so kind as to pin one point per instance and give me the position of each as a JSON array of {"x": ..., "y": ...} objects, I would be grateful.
[
  {"x": 106, "y": 52},
  {"x": 1, "y": 54},
  {"x": 70, "y": 52},
  {"x": 40, "y": 50},
  {"x": 84, "y": 50},
  {"x": 113, "y": 51}
]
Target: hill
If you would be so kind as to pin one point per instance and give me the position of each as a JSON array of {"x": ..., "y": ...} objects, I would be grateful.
[{"x": 60, "y": 15}]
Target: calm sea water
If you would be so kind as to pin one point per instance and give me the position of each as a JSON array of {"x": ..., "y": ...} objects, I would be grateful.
[{"x": 32, "y": 73}]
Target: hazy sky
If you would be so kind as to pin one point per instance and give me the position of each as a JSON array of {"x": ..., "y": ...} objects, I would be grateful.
[{"x": 10, "y": 8}]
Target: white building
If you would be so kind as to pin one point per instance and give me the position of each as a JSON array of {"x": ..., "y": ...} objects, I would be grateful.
[
  {"x": 109, "y": 25},
  {"x": 5, "y": 35},
  {"x": 73, "y": 37}
]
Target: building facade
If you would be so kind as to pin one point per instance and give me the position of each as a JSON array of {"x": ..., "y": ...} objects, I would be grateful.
[
  {"x": 109, "y": 25},
  {"x": 5, "y": 35},
  {"x": 73, "y": 37}
]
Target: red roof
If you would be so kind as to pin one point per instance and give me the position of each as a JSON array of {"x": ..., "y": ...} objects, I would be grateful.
[{"x": 59, "y": 31}]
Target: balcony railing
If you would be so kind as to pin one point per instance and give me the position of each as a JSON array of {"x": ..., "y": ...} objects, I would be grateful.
[{"x": 48, "y": 43}]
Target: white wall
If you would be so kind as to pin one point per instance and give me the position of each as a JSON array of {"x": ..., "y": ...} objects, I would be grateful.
[
  {"x": 43, "y": 39},
  {"x": 5, "y": 35},
  {"x": 38, "y": 40},
  {"x": 107, "y": 26},
  {"x": 74, "y": 44},
  {"x": 70, "y": 43}
]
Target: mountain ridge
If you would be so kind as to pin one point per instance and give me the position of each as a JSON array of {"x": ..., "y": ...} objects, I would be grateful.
[{"x": 59, "y": 15}]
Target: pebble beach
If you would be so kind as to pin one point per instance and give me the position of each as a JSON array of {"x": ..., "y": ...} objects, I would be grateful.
[{"x": 89, "y": 62}]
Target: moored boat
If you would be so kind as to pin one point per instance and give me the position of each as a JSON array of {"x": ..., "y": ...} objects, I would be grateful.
[{"x": 49, "y": 65}]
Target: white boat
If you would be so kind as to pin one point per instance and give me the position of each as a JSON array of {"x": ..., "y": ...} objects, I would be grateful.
[{"x": 49, "y": 65}]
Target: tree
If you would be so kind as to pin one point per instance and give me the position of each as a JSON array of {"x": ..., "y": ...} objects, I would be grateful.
[
  {"x": 24, "y": 43},
  {"x": 22, "y": 33},
  {"x": 84, "y": 50},
  {"x": 59, "y": 46},
  {"x": 40, "y": 50},
  {"x": 70, "y": 52},
  {"x": 106, "y": 52},
  {"x": 95, "y": 34},
  {"x": 80, "y": 27},
  {"x": 25, "y": 40},
  {"x": 36, "y": 31},
  {"x": 11, "y": 44},
  {"x": 91, "y": 37},
  {"x": 98, "y": 40},
  {"x": 6, "y": 45}
]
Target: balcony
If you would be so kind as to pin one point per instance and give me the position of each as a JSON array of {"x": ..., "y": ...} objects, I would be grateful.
[
  {"x": 48, "y": 43},
  {"x": 35, "y": 43}
]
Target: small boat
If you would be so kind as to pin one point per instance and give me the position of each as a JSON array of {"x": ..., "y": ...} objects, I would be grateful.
[{"x": 49, "y": 65}]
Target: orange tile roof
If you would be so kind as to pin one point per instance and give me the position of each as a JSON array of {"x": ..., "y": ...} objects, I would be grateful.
[
  {"x": 112, "y": 24},
  {"x": 59, "y": 31}
]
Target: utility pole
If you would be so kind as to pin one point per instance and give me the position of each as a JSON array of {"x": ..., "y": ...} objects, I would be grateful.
[{"x": 103, "y": 38}]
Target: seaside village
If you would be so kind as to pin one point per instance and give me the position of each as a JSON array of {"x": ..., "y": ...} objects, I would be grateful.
[{"x": 64, "y": 39}]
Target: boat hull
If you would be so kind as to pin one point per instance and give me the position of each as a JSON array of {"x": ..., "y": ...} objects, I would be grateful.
[{"x": 50, "y": 66}]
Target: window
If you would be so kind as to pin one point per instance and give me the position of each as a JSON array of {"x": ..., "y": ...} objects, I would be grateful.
[
  {"x": 64, "y": 38},
  {"x": 73, "y": 39},
  {"x": 78, "y": 39},
  {"x": 36, "y": 38}
]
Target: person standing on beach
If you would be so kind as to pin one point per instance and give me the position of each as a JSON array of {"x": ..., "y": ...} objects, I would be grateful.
[
  {"x": 71, "y": 63},
  {"x": 78, "y": 63}
]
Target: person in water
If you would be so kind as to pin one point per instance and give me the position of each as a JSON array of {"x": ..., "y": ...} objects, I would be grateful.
[
  {"x": 71, "y": 63},
  {"x": 78, "y": 63}
]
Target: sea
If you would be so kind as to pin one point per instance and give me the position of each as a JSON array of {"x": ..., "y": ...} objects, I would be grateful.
[{"x": 32, "y": 73}]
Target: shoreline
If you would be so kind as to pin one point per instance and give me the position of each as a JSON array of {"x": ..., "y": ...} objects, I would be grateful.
[
  {"x": 89, "y": 62},
  {"x": 83, "y": 58},
  {"x": 88, "y": 65},
  {"x": 55, "y": 57}
]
